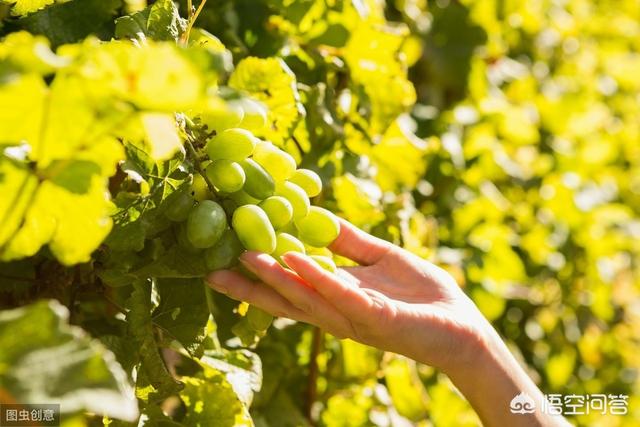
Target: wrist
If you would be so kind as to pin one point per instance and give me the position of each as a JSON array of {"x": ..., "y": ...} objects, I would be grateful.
[{"x": 491, "y": 377}]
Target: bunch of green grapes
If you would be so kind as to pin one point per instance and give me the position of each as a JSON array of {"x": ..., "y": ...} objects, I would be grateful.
[{"x": 260, "y": 200}]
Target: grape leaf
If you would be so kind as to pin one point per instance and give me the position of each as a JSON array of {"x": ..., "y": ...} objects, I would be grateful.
[
  {"x": 21, "y": 109},
  {"x": 70, "y": 210},
  {"x": 242, "y": 368},
  {"x": 161, "y": 134},
  {"x": 26, "y": 53},
  {"x": 24, "y": 7},
  {"x": 407, "y": 392},
  {"x": 71, "y": 21},
  {"x": 72, "y": 224},
  {"x": 397, "y": 157},
  {"x": 358, "y": 199},
  {"x": 211, "y": 400},
  {"x": 182, "y": 312},
  {"x": 50, "y": 361},
  {"x": 160, "y": 21},
  {"x": 271, "y": 81},
  {"x": 380, "y": 79},
  {"x": 359, "y": 360},
  {"x": 141, "y": 329},
  {"x": 17, "y": 185}
]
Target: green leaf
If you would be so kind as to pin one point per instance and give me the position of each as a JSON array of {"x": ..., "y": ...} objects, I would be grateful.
[
  {"x": 21, "y": 109},
  {"x": 141, "y": 329},
  {"x": 272, "y": 82},
  {"x": 72, "y": 21},
  {"x": 133, "y": 26},
  {"x": 399, "y": 157},
  {"x": 70, "y": 212},
  {"x": 43, "y": 359},
  {"x": 358, "y": 199},
  {"x": 24, "y": 7},
  {"x": 211, "y": 400},
  {"x": 359, "y": 360},
  {"x": 154, "y": 77},
  {"x": 379, "y": 77},
  {"x": 242, "y": 368},
  {"x": 160, "y": 21},
  {"x": 27, "y": 53},
  {"x": 164, "y": 21},
  {"x": 351, "y": 408},
  {"x": 175, "y": 262},
  {"x": 17, "y": 185},
  {"x": 161, "y": 134},
  {"x": 407, "y": 391},
  {"x": 183, "y": 311}
]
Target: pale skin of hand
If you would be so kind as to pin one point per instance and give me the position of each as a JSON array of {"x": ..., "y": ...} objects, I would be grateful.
[{"x": 397, "y": 302}]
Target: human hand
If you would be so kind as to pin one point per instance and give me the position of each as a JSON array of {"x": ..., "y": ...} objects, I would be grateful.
[
  {"x": 399, "y": 302},
  {"x": 393, "y": 300}
]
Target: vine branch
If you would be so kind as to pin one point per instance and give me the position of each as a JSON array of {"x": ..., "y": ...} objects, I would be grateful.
[
  {"x": 196, "y": 163},
  {"x": 312, "y": 380},
  {"x": 192, "y": 20}
]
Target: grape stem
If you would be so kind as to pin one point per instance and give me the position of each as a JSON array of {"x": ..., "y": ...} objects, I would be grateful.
[
  {"x": 196, "y": 163},
  {"x": 192, "y": 20},
  {"x": 312, "y": 384}
]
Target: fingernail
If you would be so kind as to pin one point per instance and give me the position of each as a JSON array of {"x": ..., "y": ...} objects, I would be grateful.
[
  {"x": 248, "y": 265},
  {"x": 218, "y": 287},
  {"x": 284, "y": 257}
]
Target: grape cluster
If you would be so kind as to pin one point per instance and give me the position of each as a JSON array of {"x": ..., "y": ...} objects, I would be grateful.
[{"x": 261, "y": 200}]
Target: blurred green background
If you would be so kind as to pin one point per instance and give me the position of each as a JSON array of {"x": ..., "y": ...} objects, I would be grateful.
[{"x": 530, "y": 191}]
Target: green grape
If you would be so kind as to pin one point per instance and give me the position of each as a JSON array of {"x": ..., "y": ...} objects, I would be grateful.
[
  {"x": 225, "y": 252},
  {"x": 254, "y": 230},
  {"x": 319, "y": 228},
  {"x": 289, "y": 228},
  {"x": 183, "y": 240},
  {"x": 258, "y": 320},
  {"x": 296, "y": 196},
  {"x": 199, "y": 188},
  {"x": 255, "y": 115},
  {"x": 312, "y": 250},
  {"x": 205, "y": 224},
  {"x": 286, "y": 243},
  {"x": 259, "y": 183},
  {"x": 278, "y": 209},
  {"x": 226, "y": 175},
  {"x": 220, "y": 115},
  {"x": 325, "y": 262},
  {"x": 242, "y": 198},
  {"x": 231, "y": 144},
  {"x": 179, "y": 206},
  {"x": 279, "y": 164},
  {"x": 308, "y": 180}
]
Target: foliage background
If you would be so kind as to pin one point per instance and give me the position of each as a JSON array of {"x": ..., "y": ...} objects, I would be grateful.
[{"x": 498, "y": 138}]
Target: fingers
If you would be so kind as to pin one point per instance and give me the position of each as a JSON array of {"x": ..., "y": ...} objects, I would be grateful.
[
  {"x": 350, "y": 300},
  {"x": 238, "y": 287},
  {"x": 285, "y": 282},
  {"x": 359, "y": 246},
  {"x": 298, "y": 292}
]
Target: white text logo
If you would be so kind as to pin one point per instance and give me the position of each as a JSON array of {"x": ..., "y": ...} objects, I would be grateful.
[{"x": 522, "y": 404}]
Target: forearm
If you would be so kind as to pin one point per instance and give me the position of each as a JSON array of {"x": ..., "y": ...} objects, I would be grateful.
[{"x": 491, "y": 379}]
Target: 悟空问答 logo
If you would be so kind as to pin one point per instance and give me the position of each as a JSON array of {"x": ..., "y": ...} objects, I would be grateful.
[{"x": 522, "y": 404}]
